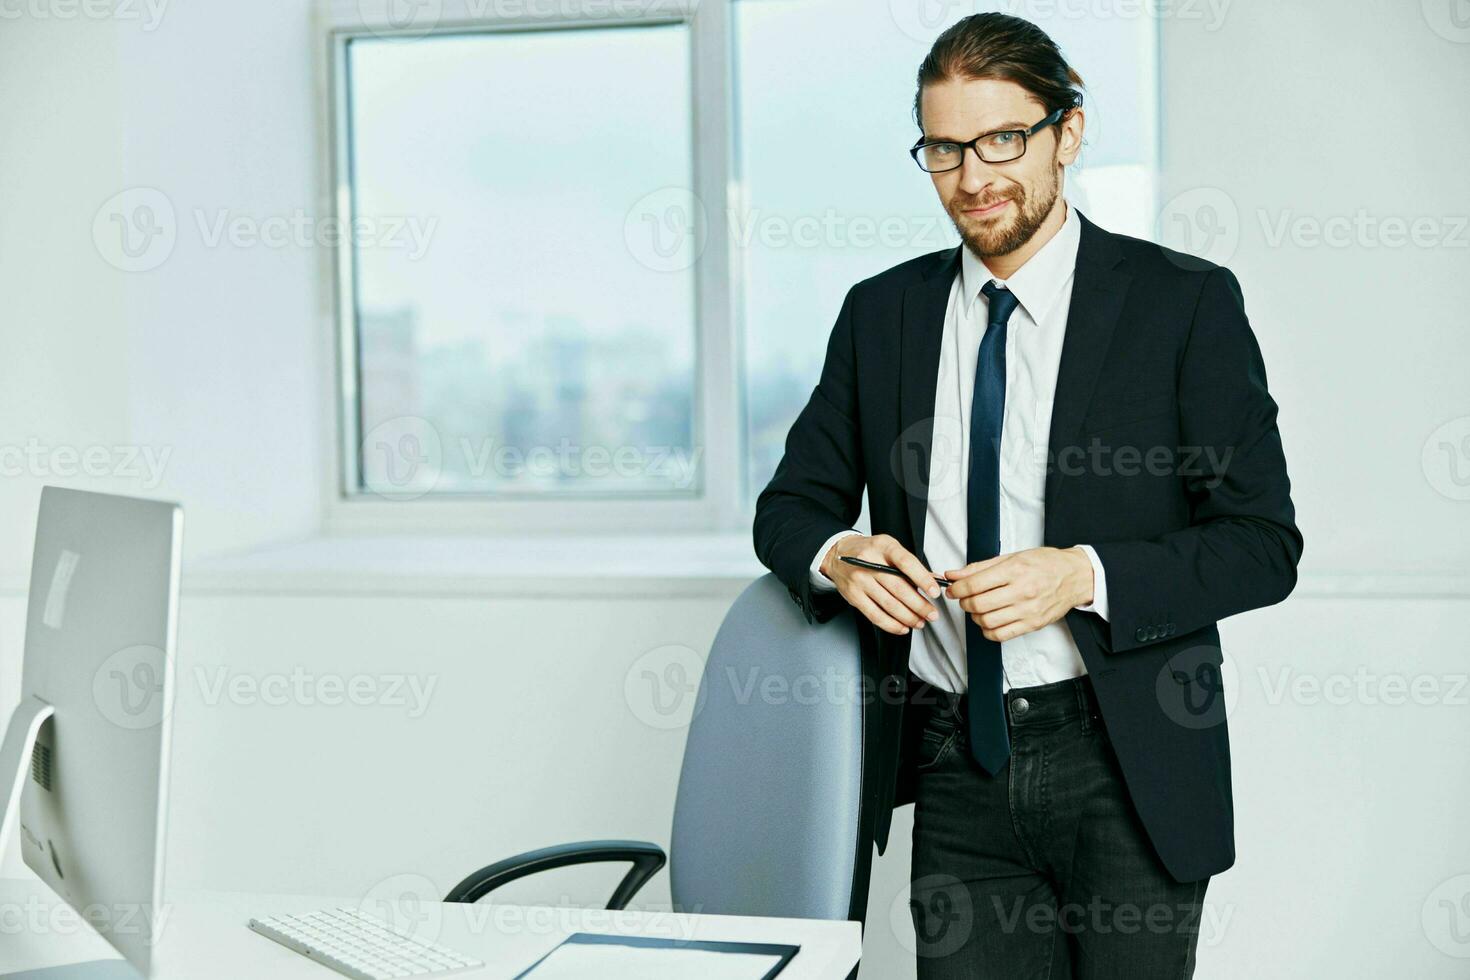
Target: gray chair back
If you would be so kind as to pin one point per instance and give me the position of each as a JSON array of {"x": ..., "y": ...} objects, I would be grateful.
[{"x": 767, "y": 820}]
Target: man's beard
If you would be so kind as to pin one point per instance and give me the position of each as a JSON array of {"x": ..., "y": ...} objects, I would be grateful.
[{"x": 989, "y": 239}]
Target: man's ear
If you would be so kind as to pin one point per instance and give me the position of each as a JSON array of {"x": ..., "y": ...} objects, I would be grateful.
[{"x": 1069, "y": 139}]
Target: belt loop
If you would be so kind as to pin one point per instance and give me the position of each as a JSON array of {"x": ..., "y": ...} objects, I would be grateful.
[
  {"x": 1094, "y": 711},
  {"x": 1082, "y": 710}
]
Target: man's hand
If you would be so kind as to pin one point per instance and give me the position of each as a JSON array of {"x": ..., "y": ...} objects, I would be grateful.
[
  {"x": 1011, "y": 595},
  {"x": 892, "y": 603}
]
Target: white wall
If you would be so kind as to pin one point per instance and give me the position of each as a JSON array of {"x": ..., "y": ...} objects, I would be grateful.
[
  {"x": 1357, "y": 110},
  {"x": 59, "y": 384},
  {"x": 1349, "y": 812},
  {"x": 195, "y": 375}
]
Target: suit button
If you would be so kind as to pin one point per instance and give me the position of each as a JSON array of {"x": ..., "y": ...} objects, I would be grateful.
[
  {"x": 1141, "y": 634},
  {"x": 1170, "y": 630}
]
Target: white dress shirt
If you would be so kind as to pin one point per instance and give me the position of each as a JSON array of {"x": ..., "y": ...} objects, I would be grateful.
[{"x": 1043, "y": 287}]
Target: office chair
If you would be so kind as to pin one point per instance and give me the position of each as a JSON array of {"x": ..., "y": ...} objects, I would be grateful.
[{"x": 769, "y": 817}]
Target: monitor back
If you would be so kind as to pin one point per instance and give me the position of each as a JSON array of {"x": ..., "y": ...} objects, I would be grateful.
[{"x": 100, "y": 632}]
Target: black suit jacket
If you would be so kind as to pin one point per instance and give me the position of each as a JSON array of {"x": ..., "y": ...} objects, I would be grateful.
[{"x": 1164, "y": 456}]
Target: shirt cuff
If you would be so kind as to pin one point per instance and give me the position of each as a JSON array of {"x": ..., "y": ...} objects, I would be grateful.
[
  {"x": 1099, "y": 603},
  {"x": 820, "y": 582}
]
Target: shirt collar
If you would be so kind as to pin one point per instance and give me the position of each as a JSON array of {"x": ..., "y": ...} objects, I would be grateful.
[{"x": 1039, "y": 282}]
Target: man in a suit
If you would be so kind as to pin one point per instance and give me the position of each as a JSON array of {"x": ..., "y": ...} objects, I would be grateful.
[{"x": 1073, "y": 427}]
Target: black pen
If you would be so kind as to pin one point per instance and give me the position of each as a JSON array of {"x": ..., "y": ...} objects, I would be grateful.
[{"x": 873, "y": 566}]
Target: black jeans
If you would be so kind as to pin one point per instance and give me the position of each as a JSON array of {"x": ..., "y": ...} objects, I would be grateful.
[{"x": 1044, "y": 869}]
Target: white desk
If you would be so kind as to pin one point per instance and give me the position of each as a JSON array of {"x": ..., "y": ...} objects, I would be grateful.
[{"x": 204, "y": 935}]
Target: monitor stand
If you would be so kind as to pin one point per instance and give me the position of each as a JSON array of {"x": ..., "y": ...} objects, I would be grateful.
[
  {"x": 15, "y": 760},
  {"x": 15, "y": 766}
]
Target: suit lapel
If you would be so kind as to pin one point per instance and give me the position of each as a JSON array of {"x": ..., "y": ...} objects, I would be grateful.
[
  {"x": 924, "y": 306},
  {"x": 1099, "y": 287}
]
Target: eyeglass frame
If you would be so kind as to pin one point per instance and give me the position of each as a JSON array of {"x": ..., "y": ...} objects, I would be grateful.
[{"x": 1052, "y": 119}]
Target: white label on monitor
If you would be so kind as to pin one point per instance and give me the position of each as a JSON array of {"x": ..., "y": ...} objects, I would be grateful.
[{"x": 66, "y": 567}]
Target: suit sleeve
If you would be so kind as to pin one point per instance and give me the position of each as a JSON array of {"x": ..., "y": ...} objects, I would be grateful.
[
  {"x": 1099, "y": 603},
  {"x": 1241, "y": 548},
  {"x": 817, "y": 489}
]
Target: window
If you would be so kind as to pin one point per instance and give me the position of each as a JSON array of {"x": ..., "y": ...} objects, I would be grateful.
[{"x": 509, "y": 340}]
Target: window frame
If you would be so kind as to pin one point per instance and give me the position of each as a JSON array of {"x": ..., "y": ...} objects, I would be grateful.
[{"x": 718, "y": 504}]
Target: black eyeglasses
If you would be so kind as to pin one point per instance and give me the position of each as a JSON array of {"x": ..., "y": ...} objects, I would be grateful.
[{"x": 1000, "y": 147}]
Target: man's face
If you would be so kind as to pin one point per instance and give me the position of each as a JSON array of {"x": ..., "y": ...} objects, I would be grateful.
[{"x": 997, "y": 207}]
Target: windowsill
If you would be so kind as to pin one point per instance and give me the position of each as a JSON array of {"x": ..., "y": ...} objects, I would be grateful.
[
  {"x": 684, "y": 565},
  {"x": 687, "y": 565}
]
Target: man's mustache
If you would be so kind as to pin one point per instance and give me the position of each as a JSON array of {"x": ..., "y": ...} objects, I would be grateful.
[{"x": 984, "y": 203}]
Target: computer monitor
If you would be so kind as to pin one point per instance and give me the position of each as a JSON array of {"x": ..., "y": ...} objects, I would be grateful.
[{"x": 96, "y": 691}]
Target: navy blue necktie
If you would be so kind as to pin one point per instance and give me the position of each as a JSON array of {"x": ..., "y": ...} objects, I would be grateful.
[{"x": 988, "y": 739}]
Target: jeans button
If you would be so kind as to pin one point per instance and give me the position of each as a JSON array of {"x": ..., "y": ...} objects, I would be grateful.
[{"x": 1019, "y": 707}]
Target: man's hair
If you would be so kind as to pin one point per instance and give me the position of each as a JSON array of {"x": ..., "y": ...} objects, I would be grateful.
[{"x": 1008, "y": 48}]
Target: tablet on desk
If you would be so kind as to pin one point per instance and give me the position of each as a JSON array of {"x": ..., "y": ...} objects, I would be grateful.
[{"x": 644, "y": 958}]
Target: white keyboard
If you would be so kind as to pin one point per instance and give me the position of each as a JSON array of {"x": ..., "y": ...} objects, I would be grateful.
[{"x": 360, "y": 946}]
